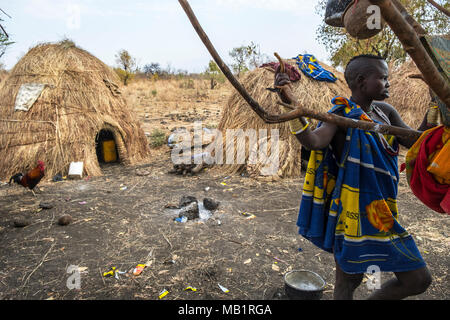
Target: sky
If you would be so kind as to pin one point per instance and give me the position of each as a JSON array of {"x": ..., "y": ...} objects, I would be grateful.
[{"x": 159, "y": 30}]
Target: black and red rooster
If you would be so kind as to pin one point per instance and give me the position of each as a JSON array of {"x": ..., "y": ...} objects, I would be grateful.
[{"x": 31, "y": 178}]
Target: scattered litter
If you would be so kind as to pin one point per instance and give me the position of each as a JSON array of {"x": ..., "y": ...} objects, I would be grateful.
[
  {"x": 117, "y": 274},
  {"x": 110, "y": 273},
  {"x": 183, "y": 219},
  {"x": 300, "y": 249},
  {"x": 171, "y": 261},
  {"x": 248, "y": 215},
  {"x": 191, "y": 289},
  {"x": 82, "y": 269},
  {"x": 82, "y": 202},
  {"x": 207, "y": 189},
  {"x": 163, "y": 293},
  {"x": 124, "y": 188},
  {"x": 223, "y": 288},
  {"x": 76, "y": 170},
  {"x": 57, "y": 178},
  {"x": 278, "y": 259},
  {"x": 247, "y": 261},
  {"x": 275, "y": 267},
  {"x": 139, "y": 268},
  {"x": 223, "y": 183}
]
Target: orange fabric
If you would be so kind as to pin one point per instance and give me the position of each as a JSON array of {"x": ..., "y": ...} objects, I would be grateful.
[{"x": 440, "y": 160}]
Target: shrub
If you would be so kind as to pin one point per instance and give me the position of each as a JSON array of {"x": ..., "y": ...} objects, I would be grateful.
[{"x": 157, "y": 138}]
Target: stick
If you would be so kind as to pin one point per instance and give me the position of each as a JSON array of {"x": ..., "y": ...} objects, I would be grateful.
[
  {"x": 40, "y": 264},
  {"x": 268, "y": 118},
  {"x": 360, "y": 124}
]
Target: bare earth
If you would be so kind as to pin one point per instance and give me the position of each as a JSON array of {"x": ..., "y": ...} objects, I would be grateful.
[{"x": 122, "y": 227}]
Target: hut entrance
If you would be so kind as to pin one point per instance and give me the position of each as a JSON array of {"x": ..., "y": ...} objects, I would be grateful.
[{"x": 106, "y": 147}]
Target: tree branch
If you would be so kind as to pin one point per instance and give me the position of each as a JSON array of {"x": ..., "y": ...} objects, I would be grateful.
[
  {"x": 413, "y": 46},
  {"x": 439, "y": 7}
]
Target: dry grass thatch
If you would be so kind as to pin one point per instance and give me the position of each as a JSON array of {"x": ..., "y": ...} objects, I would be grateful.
[
  {"x": 238, "y": 115},
  {"x": 79, "y": 100},
  {"x": 410, "y": 97}
]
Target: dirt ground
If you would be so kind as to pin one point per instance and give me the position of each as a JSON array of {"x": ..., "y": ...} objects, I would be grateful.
[
  {"x": 121, "y": 220},
  {"x": 120, "y": 228}
]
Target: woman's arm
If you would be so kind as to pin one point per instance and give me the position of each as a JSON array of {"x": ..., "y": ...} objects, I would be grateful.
[{"x": 396, "y": 120}]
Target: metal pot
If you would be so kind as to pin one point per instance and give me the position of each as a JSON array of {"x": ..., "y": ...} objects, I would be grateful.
[{"x": 303, "y": 285}]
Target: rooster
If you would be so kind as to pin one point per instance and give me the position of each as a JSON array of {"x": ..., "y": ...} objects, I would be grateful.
[{"x": 31, "y": 178}]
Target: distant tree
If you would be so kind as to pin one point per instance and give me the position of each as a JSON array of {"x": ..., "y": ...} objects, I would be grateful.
[
  {"x": 152, "y": 69},
  {"x": 239, "y": 55},
  {"x": 5, "y": 41},
  {"x": 214, "y": 73},
  {"x": 246, "y": 57},
  {"x": 343, "y": 47},
  {"x": 127, "y": 66}
]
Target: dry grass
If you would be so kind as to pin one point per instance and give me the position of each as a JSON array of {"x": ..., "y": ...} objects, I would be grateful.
[
  {"x": 79, "y": 100},
  {"x": 238, "y": 115},
  {"x": 169, "y": 103},
  {"x": 409, "y": 96}
]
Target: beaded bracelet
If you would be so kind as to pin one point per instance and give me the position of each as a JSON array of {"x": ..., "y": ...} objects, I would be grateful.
[{"x": 302, "y": 129}]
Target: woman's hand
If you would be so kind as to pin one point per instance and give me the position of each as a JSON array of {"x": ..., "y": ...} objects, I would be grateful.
[{"x": 283, "y": 82}]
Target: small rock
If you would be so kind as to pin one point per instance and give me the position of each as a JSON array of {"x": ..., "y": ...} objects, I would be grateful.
[
  {"x": 21, "y": 222},
  {"x": 190, "y": 211},
  {"x": 65, "y": 220},
  {"x": 210, "y": 204},
  {"x": 45, "y": 205},
  {"x": 142, "y": 173},
  {"x": 185, "y": 200}
]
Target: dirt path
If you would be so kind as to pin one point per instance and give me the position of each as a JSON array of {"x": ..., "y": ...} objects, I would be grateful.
[{"x": 121, "y": 227}]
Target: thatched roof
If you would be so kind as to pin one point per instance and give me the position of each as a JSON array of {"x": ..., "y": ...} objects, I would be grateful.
[
  {"x": 238, "y": 115},
  {"x": 411, "y": 97},
  {"x": 80, "y": 98}
]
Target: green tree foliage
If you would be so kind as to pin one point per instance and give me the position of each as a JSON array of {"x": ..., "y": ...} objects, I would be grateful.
[
  {"x": 343, "y": 47},
  {"x": 127, "y": 66},
  {"x": 246, "y": 58},
  {"x": 214, "y": 73}
]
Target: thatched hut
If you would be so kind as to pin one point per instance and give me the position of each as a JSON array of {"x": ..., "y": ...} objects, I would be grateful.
[
  {"x": 238, "y": 115},
  {"x": 410, "y": 96},
  {"x": 79, "y": 104}
]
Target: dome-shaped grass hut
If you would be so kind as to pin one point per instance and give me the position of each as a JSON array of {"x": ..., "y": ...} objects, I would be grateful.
[
  {"x": 238, "y": 115},
  {"x": 59, "y": 104},
  {"x": 409, "y": 95}
]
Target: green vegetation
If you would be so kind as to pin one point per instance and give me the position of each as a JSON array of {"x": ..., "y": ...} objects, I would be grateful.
[
  {"x": 127, "y": 66},
  {"x": 157, "y": 138},
  {"x": 343, "y": 47}
]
